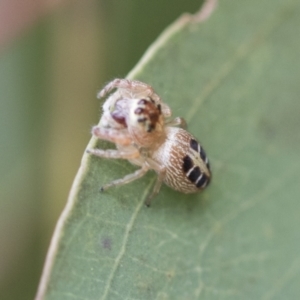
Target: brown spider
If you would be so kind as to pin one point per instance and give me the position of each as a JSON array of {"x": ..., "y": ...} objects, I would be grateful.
[{"x": 137, "y": 121}]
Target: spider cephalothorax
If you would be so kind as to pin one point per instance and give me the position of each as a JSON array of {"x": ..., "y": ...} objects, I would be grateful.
[{"x": 116, "y": 106}]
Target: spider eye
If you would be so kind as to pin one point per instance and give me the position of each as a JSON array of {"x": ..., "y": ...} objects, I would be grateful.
[
  {"x": 138, "y": 111},
  {"x": 143, "y": 101},
  {"x": 119, "y": 118}
]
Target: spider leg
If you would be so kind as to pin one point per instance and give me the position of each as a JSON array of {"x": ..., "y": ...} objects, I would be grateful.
[
  {"x": 116, "y": 136},
  {"x": 166, "y": 110},
  {"x": 126, "y": 179},
  {"x": 116, "y": 83},
  {"x": 133, "y": 87},
  {"x": 115, "y": 154},
  {"x": 177, "y": 122},
  {"x": 161, "y": 173}
]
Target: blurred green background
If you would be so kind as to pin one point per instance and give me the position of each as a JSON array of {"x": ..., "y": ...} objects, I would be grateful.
[{"x": 54, "y": 56}]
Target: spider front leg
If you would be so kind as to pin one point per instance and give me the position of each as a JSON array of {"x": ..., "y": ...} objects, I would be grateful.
[
  {"x": 114, "y": 154},
  {"x": 133, "y": 87},
  {"x": 119, "y": 137},
  {"x": 116, "y": 136},
  {"x": 161, "y": 173},
  {"x": 116, "y": 83}
]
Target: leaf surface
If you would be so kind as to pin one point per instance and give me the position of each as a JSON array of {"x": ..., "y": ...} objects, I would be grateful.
[{"x": 235, "y": 79}]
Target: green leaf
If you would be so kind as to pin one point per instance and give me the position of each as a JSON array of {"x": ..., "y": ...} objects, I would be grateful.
[{"x": 235, "y": 78}]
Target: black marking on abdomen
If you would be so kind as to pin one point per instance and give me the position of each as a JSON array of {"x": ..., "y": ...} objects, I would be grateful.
[
  {"x": 204, "y": 157},
  {"x": 202, "y": 154},
  {"x": 194, "y": 174},
  {"x": 194, "y": 145},
  {"x": 187, "y": 163},
  {"x": 202, "y": 181}
]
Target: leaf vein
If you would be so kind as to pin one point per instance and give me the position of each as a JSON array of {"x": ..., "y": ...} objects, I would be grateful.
[{"x": 128, "y": 229}]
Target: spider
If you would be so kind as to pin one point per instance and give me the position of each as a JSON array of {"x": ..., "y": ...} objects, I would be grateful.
[{"x": 138, "y": 122}]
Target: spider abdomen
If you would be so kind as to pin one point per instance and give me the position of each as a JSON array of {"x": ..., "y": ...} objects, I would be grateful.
[{"x": 187, "y": 167}]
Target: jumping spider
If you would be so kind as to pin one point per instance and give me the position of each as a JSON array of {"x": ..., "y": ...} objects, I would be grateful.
[{"x": 138, "y": 122}]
